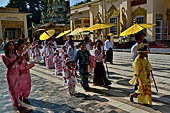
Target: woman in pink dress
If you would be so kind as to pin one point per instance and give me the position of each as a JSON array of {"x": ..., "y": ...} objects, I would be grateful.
[
  {"x": 25, "y": 78},
  {"x": 49, "y": 54},
  {"x": 11, "y": 62},
  {"x": 33, "y": 47}
]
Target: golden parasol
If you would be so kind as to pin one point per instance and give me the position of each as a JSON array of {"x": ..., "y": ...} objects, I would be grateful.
[
  {"x": 78, "y": 30},
  {"x": 136, "y": 28},
  {"x": 39, "y": 30},
  {"x": 64, "y": 33},
  {"x": 47, "y": 34},
  {"x": 99, "y": 26}
]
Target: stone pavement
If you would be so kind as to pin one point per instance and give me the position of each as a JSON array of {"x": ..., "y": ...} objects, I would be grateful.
[
  {"x": 49, "y": 96},
  {"x": 152, "y": 50}
]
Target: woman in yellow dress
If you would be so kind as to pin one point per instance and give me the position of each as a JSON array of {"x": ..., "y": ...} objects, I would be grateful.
[{"x": 142, "y": 77}]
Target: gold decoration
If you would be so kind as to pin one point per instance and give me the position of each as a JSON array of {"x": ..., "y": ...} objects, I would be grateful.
[
  {"x": 168, "y": 18},
  {"x": 124, "y": 19},
  {"x": 139, "y": 12},
  {"x": 98, "y": 18},
  {"x": 112, "y": 12}
]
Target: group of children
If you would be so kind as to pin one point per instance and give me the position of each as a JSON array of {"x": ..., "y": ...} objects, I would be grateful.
[
  {"x": 66, "y": 63},
  {"x": 58, "y": 60}
]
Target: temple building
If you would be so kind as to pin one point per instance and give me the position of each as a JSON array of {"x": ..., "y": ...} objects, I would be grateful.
[
  {"x": 13, "y": 24},
  {"x": 56, "y": 16},
  {"x": 123, "y": 13}
]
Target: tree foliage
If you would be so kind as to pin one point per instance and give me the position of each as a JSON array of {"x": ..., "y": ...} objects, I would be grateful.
[
  {"x": 34, "y": 7},
  {"x": 29, "y": 6}
]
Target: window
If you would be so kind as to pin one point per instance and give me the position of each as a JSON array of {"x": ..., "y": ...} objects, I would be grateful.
[
  {"x": 114, "y": 28},
  {"x": 161, "y": 30},
  {"x": 140, "y": 20},
  {"x": 12, "y": 33}
]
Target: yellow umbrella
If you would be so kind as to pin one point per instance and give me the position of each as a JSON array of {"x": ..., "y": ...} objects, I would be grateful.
[
  {"x": 99, "y": 26},
  {"x": 147, "y": 25},
  {"x": 78, "y": 30},
  {"x": 47, "y": 34},
  {"x": 136, "y": 28},
  {"x": 39, "y": 30},
  {"x": 64, "y": 33}
]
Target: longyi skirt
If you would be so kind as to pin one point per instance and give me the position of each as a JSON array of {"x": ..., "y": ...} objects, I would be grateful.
[{"x": 100, "y": 78}]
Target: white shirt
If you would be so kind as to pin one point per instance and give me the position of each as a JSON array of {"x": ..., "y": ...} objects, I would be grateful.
[
  {"x": 108, "y": 44},
  {"x": 88, "y": 46},
  {"x": 67, "y": 44},
  {"x": 134, "y": 50},
  {"x": 49, "y": 52},
  {"x": 44, "y": 50},
  {"x": 71, "y": 52},
  {"x": 55, "y": 44}
]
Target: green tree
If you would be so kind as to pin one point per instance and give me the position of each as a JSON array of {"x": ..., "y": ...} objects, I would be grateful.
[
  {"x": 21, "y": 4},
  {"x": 34, "y": 7}
]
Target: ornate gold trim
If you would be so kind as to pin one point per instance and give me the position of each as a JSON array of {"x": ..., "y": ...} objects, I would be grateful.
[
  {"x": 168, "y": 18},
  {"x": 98, "y": 18},
  {"x": 139, "y": 12}
]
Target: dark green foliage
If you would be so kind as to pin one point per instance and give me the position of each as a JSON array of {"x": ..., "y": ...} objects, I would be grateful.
[{"x": 34, "y": 7}]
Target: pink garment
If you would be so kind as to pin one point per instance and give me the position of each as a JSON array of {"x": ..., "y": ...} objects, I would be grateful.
[
  {"x": 92, "y": 61},
  {"x": 70, "y": 79},
  {"x": 25, "y": 78},
  {"x": 99, "y": 57},
  {"x": 37, "y": 57},
  {"x": 49, "y": 58},
  {"x": 33, "y": 47},
  {"x": 62, "y": 53},
  {"x": 58, "y": 64},
  {"x": 13, "y": 78}
]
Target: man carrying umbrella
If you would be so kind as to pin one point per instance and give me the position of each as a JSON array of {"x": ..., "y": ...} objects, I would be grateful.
[
  {"x": 139, "y": 37},
  {"x": 108, "y": 48}
]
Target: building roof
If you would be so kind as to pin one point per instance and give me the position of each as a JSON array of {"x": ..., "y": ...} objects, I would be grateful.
[
  {"x": 82, "y": 5},
  {"x": 11, "y": 10},
  {"x": 52, "y": 24}
]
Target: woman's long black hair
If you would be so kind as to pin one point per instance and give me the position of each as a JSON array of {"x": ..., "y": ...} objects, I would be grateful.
[
  {"x": 6, "y": 48},
  {"x": 17, "y": 44}
]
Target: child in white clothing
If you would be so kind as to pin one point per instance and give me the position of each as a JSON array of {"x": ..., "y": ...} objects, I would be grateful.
[
  {"x": 37, "y": 54},
  {"x": 57, "y": 60},
  {"x": 70, "y": 77}
]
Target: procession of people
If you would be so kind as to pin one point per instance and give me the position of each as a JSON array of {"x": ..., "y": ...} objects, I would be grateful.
[{"x": 84, "y": 57}]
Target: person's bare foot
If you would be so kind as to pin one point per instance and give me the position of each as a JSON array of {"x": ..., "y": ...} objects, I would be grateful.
[
  {"x": 73, "y": 94},
  {"x": 25, "y": 100},
  {"x": 131, "y": 98}
]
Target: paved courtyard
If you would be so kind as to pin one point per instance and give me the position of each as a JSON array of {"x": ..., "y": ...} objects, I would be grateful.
[{"x": 48, "y": 95}]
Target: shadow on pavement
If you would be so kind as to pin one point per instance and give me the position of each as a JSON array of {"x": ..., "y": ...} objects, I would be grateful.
[
  {"x": 163, "y": 99},
  {"x": 88, "y": 97},
  {"x": 161, "y": 108},
  {"x": 111, "y": 92},
  {"x": 48, "y": 106},
  {"x": 124, "y": 82}
]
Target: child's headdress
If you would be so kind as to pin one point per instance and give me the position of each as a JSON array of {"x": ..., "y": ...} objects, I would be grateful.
[
  {"x": 68, "y": 61},
  {"x": 56, "y": 51},
  {"x": 143, "y": 48}
]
